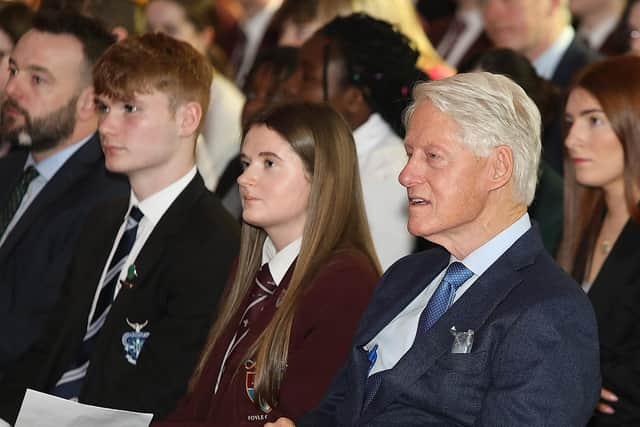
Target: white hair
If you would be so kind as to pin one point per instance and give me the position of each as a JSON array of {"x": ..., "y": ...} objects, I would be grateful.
[{"x": 491, "y": 110}]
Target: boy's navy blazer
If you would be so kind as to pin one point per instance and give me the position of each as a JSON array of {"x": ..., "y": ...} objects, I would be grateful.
[{"x": 182, "y": 269}]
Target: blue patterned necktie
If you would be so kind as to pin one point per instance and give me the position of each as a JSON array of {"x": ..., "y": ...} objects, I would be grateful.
[
  {"x": 440, "y": 301},
  {"x": 444, "y": 295},
  {"x": 16, "y": 196},
  {"x": 71, "y": 381}
]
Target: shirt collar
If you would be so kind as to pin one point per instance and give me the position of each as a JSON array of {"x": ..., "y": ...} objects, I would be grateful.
[
  {"x": 597, "y": 35},
  {"x": 472, "y": 18},
  {"x": 368, "y": 134},
  {"x": 154, "y": 206},
  {"x": 547, "y": 63},
  {"x": 254, "y": 27},
  {"x": 279, "y": 262},
  {"x": 482, "y": 258},
  {"x": 48, "y": 167}
]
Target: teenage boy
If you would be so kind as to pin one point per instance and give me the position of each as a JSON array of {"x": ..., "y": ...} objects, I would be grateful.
[{"x": 148, "y": 271}]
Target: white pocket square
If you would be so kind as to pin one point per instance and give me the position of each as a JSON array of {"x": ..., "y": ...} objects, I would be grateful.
[{"x": 462, "y": 341}]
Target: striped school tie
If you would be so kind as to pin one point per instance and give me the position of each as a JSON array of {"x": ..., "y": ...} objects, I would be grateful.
[
  {"x": 264, "y": 287},
  {"x": 71, "y": 381},
  {"x": 10, "y": 209}
]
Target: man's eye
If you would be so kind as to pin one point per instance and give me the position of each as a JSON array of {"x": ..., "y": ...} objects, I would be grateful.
[
  {"x": 37, "y": 79},
  {"x": 269, "y": 163},
  {"x": 130, "y": 108}
]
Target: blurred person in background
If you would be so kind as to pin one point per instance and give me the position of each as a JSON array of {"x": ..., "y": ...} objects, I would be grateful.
[
  {"x": 298, "y": 20},
  {"x": 602, "y": 24},
  {"x": 460, "y": 36},
  {"x": 541, "y": 31},
  {"x": 365, "y": 68},
  {"x": 254, "y": 18}
]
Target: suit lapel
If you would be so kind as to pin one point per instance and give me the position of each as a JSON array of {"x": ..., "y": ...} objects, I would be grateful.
[
  {"x": 390, "y": 299},
  {"x": 68, "y": 175},
  {"x": 160, "y": 240},
  {"x": 470, "y": 311}
]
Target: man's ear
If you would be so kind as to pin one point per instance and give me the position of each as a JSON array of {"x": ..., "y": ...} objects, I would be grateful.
[
  {"x": 501, "y": 167},
  {"x": 85, "y": 106},
  {"x": 188, "y": 118}
]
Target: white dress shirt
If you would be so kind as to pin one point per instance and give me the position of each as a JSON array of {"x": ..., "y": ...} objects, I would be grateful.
[
  {"x": 547, "y": 63},
  {"x": 221, "y": 132},
  {"x": 381, "y": 157},
  {"x": 279, "y": 262},
  {"x": 597, "y": 35},
  {"x": 396, "y": 338},
  {"x": 474, "y": 24},
  {"x": 254, "y": 29},
  {"x": 153, "y": 208},
  {"x": 47, "y": 168}
]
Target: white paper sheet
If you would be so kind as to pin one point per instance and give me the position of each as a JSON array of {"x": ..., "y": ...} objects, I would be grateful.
[{"x": 44, "y": 410}]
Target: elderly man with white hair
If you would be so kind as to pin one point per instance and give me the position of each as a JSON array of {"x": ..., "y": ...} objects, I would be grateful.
[{"x": 485, "y": 330}]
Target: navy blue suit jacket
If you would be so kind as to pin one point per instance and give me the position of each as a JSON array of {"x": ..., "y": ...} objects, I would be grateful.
[
  {"x": 577, "y": 55},
  {"x": 534, "y": 360},
  {"x": 37, "y": 253}
]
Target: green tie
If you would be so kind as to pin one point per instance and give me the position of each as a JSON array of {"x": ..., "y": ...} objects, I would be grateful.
[{"x": 9, "y": 210}]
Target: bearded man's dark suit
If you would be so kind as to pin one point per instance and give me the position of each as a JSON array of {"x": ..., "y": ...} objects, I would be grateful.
[
  {"x": 182, "y": 269},
  {"x": 534, "y": 359},
  {"x": 38, "y": 250}
]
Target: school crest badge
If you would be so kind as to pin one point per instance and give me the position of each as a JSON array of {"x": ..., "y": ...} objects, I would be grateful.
[
  {"x": 249, "y": 383},
  {"x": 133, "y": 341}
]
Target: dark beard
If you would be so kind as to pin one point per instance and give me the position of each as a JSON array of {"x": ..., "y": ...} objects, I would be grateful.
[{"x": 41, "y": 133}]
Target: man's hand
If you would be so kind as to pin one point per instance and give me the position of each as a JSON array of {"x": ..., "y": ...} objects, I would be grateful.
[
  {"x": 281, "y": 422},
  {"x": 605, "y": 395}
]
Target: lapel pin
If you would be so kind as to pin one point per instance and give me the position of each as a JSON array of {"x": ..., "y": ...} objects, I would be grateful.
[{"x": 132, "y": 275}]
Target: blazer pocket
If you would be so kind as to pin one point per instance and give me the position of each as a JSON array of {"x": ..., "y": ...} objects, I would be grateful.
[{"x": 465, "y": 363}]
